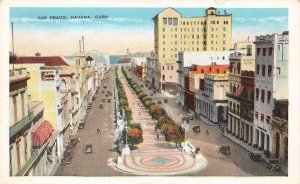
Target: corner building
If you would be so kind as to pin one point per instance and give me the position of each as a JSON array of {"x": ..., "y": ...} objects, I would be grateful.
[
  {"x": 174, "y": 33},
  {"x": 271, "y": 84}
]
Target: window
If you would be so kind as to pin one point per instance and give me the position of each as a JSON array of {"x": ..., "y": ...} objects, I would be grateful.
[
  {"x": 167, "y": 67},
  {"x": 258, "y": 51},
  {"x": 269, "y": 70},
  {"x": 169, "y": 21},
  {"x": 183, "y": 23},
  {"x": 257, "y": 94},
  {"x": 262, "y": 117},
  {"x": 164, "y": 56},
  {"x": 270, "y": 51},
  {"x": 172, "y": 66},
  {"x": 224, "y": 35},
  {"x": 256, "y": 115},
  {"x": 212, "y": 35},
  {"x": 163, "y": 29},
  {"x": 224, "y": 28},
  {"x": 163, "y": 67},
  {"x": 163, "y": 77},
  {"x": 175, "y": 29},
  {"x": 175, "y": 21},
  {"x": 165, "y": 21},
  {"x": 175, "y": 55},
  {"x": 18, "y": 154},
  {"x": 175, "y": 42},
  {"x": 269, "y": 97},
  {"x": 15, "y": 108},
  {"x": 164, "y": 49},
  {"x": 164, "y": 36},
  {"x": 212, "y": 29},
  {"x": 264, "y": 51},
  {"x": 23, "y": 103},
  {"x": 263, "y": 70},
  {"x": 224, "y": 42},
  {"x": 238, "y": 68},
  {"x": 262, "y": 97},
  {"x": 257, "y": 69},
  {"x": 175, "y": 35},
  {"x": 25, "y": 146},
  {"x": 164, "y": 42},
  {"x": 217, "y": 22},
  {"x": 278, "y": 70}
]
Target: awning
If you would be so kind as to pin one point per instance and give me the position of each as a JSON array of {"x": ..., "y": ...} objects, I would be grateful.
[
  {"x": 239, "y": 91},
  {"x": 42, "y": 133}
]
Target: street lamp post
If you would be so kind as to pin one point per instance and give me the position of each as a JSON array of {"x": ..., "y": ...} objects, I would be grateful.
[{"x": 186, "y": 128}]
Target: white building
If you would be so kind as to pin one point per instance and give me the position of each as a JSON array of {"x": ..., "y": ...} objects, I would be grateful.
[
  {"x": 271, "y": 83},
  {"x": 202, "y": 58}
]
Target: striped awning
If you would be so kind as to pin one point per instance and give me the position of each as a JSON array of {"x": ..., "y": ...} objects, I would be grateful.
[
  {"x": 41, "y": 134},
  {"x": 239, "y": 91}
]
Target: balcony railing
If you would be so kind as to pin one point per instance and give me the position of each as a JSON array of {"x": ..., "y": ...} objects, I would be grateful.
[
  {"x": 18, "y": 73},
  {"x": 230, "y": 95},
  {"x": 14, "y": 129},
  {"x": 280, "y": 123},
  {"x": 37, "y": 108}
]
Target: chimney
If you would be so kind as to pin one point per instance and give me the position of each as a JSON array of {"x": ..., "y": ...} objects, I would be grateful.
[
  {"x": 79, "y": 46},
  {"x": 82, "y": 44}
]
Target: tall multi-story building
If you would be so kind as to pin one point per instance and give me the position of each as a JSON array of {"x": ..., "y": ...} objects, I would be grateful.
[
  {"x": 271, "y": 84},
  {"x": 174, "y": 33},
  {"x": 241, "y": 93}
]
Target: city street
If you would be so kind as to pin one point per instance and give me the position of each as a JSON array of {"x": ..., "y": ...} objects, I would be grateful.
[{"x": 101, "y": 161}]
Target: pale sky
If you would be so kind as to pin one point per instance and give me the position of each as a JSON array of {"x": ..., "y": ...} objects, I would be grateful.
[{"x": 124, "y": 28}]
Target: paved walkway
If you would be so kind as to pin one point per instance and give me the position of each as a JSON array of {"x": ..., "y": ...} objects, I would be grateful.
[{"x": 155, "y": 156}]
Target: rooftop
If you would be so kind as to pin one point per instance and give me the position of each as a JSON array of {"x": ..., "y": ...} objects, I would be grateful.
[{"x": 47, "y": 60}]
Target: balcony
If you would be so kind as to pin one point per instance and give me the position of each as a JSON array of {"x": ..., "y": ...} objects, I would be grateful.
[
  {"x": 279, "y": 123},
  {"x": 230, "y": 95},
  {"x": 18, "y": 74},
  {"x": 14, "y": 129},
  {"x": 36, "y": 107}
]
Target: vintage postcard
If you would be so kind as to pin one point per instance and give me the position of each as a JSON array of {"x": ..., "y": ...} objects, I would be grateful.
[{"x": 106, "y": 92}]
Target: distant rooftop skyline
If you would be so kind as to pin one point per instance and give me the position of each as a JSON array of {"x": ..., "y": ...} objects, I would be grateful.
[{"x": 120, "y": 28}]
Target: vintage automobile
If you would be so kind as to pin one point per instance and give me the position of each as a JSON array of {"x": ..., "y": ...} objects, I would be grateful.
[
  {"x": 224, "y": 149},
  {"x": 196, "y": 129},
  {"x": 273, "y": 164},
  {"x": 256, "y": 155},
  {"x": 81, "y": 125},
  {"x": 88, "y": 148}
]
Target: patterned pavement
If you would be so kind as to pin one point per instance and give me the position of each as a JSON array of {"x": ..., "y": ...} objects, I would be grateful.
[{"x": 155, "y": 156}]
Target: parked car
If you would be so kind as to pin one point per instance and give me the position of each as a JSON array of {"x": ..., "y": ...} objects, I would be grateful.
[{"x": 81, "y": 125}]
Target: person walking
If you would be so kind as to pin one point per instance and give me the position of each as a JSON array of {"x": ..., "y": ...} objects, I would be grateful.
[
  {"x": 157, "y": 136},
  {"x": 155, "y": 128},
  {"x": 207, "y": 132},
  {"x": 98, "y": 130}
]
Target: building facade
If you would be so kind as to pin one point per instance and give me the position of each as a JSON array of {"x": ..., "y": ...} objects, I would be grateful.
[
  {"x": 211, "y": 98},
  {"x": 280, "y": 134},
  {"x": 204, "y": 62},
  {"x": 174, "y": 33},
  {"x": 241, "y": 93},
  {"x": 271, "y": 83}
]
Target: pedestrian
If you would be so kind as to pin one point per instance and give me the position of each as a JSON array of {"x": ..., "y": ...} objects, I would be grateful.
[
  {"x": 207, "y": 132},
  {"x": 98, "y": 130},
  {"x": 155, "y": 128},
  {"x": 157, "y": 136},
  {"x": 219, "y": 126}
]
